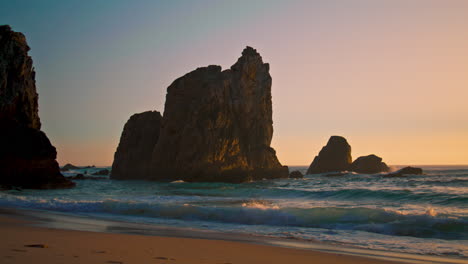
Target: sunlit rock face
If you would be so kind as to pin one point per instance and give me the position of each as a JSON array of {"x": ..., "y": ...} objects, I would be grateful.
[
  {"x": 27, "y": 158},
  {"x": 335, "y": 156},
  {"x": 217, "y": 125},
  {"x": 139, "y": 137},
  {"x": 369, "y": 164}
]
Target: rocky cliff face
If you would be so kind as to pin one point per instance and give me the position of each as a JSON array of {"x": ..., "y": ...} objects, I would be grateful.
[
  {"x": 335, "y": 156},
  {"x": 133, "y": 156},
  {"x": 27, "y": 159},
  {"x": 217, "y": 125}
]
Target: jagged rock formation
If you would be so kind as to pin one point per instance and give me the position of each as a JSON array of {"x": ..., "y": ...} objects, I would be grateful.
[
  {"x": 335, "y": 156},
  {"x": 139, "y": 137},
  {"x": 27, "y": 159},
  {"x": 404, "y": 172},
  {"x": 369, "y": 164},
  {"x": 217, "y": 126}
]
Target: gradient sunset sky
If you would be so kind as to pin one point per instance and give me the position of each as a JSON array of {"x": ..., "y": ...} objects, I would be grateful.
[{"x": 390, "y": 76}]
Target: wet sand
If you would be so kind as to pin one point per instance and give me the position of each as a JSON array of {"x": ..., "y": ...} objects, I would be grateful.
[{"x": 23, "y": 241}]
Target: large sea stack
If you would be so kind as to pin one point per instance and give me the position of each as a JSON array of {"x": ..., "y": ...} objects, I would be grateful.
[
  {"x": 133, "y": 156},
  {"x": 27, "y": 158},
  {"x": 335, "y": 156},
  {"x": 217, "y": 126}
]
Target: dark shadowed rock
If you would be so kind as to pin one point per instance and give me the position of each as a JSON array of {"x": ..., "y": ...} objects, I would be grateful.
[
  {"x": 404, "y": 172},
  {"x": 335, "y": 156},
  {"x": 217, "y": 125},
  {"x": 139, "y": 137},
  {"x": 296, "y": 174},
  {"x": 81, "y": 176},
  {"x": 27, "y": 158},
  {"x": 102, "y": 172},
  {"x": 369, "y": 164},
  {"x": 68, "y": 167}
]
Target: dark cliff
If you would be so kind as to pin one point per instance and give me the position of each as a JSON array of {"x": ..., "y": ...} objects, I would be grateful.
[
  {"x": 27, "y": 158},
  {"x": 217, "y": 126},
  {"x": 139, "y": 137}
]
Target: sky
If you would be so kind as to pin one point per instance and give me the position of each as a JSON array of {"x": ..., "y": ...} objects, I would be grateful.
[{"x": 390, "y": 76}]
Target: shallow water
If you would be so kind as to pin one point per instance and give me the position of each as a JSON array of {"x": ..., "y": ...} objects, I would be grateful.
[{"x": 424, "y": 214}]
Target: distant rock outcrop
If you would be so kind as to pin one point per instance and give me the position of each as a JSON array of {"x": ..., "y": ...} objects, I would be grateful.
[
  {"x": 139, "y": 137},
  {"x": 68, "y": 167},
  {"x": 217, "y": 126},
  {"x": 27, "y": 158},
  {"x": 404, "y": 172},
  {"x": 335, "y": 156},
  {"x": 296, "y": 174},
  {"x": 369, "y": 164}
]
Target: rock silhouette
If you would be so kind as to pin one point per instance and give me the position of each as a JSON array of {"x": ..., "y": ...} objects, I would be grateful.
[
  {"x": 139, "y": 137},
  {"x": 27, "y": 158},
  {"x": 217, "y": 126},
  {"x": 369, "y": 164},
  {"x": 296, "y": 174},
  {"x": 405, "y": 171},
  {"x": 335, "y": 156},
  {"x": 68, "y": 167}
]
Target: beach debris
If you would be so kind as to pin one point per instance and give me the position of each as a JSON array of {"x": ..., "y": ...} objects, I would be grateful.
[
  {"x": 99, "y": 251},
  {"x": 115, "y": 262},
  {"x": 37, "y": 246},
  {"x": 163, "y": 258}
]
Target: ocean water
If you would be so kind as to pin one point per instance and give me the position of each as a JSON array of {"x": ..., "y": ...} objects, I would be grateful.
[{"x": 422, "y": 214}]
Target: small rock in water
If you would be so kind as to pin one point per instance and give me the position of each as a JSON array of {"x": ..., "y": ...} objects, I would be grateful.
[
  {"x": 404, "y": 172},
  {"x": 296, "y": 175}
]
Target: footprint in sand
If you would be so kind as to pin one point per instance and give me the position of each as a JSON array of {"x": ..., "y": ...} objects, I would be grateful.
[
  {"x": 37, "y": 246},
  {"x": 19, "y": 250},
  {"x": 164, "y": 258}
]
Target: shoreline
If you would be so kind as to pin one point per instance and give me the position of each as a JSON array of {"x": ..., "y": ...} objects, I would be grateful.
[{"x": 52, "y": 225}]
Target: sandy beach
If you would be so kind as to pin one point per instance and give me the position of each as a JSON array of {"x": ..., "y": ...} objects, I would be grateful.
[{"x": 23, "y": 243}]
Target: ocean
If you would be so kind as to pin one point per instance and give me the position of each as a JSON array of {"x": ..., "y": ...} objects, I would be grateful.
[{"x": 420, "y": 214}]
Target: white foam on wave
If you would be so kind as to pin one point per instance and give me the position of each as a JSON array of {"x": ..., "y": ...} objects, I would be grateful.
[{"x": 260, "y": 204}]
